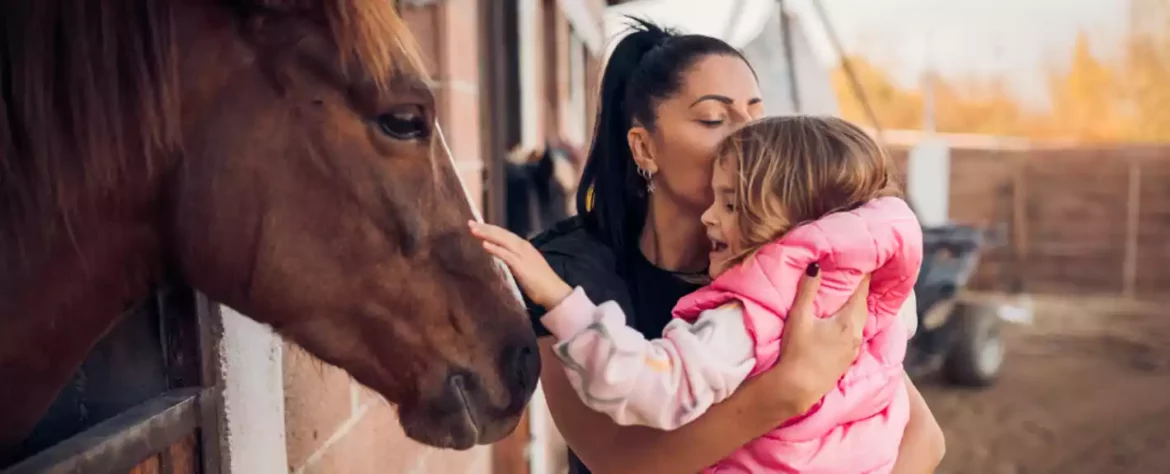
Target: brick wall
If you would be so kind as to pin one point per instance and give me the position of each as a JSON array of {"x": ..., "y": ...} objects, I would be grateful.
[{"x": 1085, "y": 220}]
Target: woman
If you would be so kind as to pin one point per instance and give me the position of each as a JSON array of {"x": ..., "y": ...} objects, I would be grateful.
[{"x": 666, "y": 101}]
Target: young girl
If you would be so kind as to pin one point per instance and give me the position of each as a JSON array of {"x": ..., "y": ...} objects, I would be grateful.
[{"x": 792, "y": 194}]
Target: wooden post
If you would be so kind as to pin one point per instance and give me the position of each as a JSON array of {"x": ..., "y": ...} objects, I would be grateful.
[
  {"x": 1132, "y": 208},
  {"x": 1020, "y": 220}
]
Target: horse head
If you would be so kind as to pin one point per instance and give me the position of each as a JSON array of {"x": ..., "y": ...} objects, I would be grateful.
[{"x": 280, "y": 156}]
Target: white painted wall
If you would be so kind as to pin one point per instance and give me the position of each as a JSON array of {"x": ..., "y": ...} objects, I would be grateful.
[
  {"x": 252, "y": 357},
  {"x": 928, "y": 179},
  {"x": 530, "y": 95}
]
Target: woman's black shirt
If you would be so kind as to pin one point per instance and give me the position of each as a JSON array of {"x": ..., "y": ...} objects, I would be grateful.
[{"x": 646, "y": 293}]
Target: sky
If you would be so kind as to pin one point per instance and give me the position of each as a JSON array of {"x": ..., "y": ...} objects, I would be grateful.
[{"x": 1016, "y": 39}]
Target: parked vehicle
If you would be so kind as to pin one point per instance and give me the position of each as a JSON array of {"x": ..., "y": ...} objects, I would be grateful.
[{"x": 961, "y": 336}]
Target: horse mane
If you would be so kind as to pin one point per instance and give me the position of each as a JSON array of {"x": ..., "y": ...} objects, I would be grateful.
[{"x": 89, "y": 94}]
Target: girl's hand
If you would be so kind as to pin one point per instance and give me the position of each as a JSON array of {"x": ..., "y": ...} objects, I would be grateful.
[{"x": 543, "y": 286}]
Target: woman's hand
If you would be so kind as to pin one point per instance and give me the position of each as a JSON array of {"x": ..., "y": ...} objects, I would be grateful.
[
  {"x": 815, "y": 352},
  {"x": 538, "y": 280}
]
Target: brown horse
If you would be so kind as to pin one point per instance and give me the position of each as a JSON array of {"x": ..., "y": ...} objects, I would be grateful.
[{"x": 278, "y": 156}]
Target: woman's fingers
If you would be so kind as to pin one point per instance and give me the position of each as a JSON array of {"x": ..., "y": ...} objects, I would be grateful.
[
  {"x": 806, "y": 290},
  {"x": 803, "y": 312},
  {"x": 855, "y": 313}
]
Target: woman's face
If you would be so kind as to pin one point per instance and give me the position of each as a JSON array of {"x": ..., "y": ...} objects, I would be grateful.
[{"x": 718, "y": 94}]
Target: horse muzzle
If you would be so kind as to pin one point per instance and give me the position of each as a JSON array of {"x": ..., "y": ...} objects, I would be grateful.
[{"x": 463, "y": 415}]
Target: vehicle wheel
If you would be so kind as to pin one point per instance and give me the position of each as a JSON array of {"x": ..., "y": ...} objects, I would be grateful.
[{"x": 977, "y": 356}]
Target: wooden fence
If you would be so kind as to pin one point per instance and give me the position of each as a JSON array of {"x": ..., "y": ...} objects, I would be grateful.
[{"x": 1072, "y": 219}]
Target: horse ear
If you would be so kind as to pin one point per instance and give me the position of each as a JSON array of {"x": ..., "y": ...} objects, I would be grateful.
[
  {"x": 516, "y": 156},
  {"x": 544, "y": 163},
  {"x": 565, "y": 173}
]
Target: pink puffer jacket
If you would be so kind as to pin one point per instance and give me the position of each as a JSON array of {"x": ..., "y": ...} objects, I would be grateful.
[{"x": 857, "y": 427}]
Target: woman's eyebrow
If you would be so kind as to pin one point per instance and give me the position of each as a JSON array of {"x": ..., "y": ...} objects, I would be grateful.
[
  {"x": 724, "y": 100},
  {"x": 716, "y": 97}
]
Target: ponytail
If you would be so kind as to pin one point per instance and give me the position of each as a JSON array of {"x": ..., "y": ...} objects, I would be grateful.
[{"x": 612, "y": 197}]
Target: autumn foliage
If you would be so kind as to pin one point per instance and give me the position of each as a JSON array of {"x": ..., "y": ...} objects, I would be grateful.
[{"x": 1125, "y": 97}]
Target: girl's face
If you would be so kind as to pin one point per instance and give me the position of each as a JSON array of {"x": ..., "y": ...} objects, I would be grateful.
[
  {"x": 720, "y": 218},
  {"x": 719, "y": 93}
]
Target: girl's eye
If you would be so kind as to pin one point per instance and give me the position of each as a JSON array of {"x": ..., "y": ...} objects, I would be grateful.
[
  {"x": 729, "y": 207},
  {"x": 404, "y": 123},
  {"x": 711, "y": 123}
]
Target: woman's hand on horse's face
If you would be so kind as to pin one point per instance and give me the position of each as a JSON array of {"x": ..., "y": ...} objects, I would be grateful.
[
  {"x": 815, "y": 352},
  {"x": 532, "y": 272}
]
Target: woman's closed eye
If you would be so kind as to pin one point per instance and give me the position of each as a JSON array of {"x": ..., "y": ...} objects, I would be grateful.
[{"x": 712, "y": 123}]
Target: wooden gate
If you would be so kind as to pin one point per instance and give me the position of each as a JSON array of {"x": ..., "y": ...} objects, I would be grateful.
[{"x": 148, "y": 399}]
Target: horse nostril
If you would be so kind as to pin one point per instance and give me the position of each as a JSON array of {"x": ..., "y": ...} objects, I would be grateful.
[
  {"x": 457, "y": 384},
  {"x": 521, "y": 367}
]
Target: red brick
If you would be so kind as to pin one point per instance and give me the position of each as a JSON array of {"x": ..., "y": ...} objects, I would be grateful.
[
  {"x": 460, "y": 20},
  {"x": 459, "y": 117},
  {"x": 374, "y": 445},
  {"x": 424, "y": 26},
  {"x": 472, "y": 461},
  {"x": 377, "y": 445},
  {"x": 367, "y": 395},
  {"x": 316, "y": 402}
]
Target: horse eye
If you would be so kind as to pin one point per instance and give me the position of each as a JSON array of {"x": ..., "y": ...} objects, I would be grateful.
[{"x": 404, "y": 124}]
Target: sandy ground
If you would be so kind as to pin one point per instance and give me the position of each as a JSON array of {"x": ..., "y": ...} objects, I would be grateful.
[{"x": 1085, "y": 390}]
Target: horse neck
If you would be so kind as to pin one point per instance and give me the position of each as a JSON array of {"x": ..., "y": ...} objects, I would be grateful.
[{"x": 64, "y": 297}]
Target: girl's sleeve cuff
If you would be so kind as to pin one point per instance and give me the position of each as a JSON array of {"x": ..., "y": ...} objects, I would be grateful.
[{"x": 571, "y": 316}]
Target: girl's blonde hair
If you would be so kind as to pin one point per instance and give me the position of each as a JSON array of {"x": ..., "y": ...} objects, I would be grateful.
[{"x": 796, "y": 169}]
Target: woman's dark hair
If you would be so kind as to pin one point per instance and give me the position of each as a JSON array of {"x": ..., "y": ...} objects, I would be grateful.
[{"x": 645, "y": 67}]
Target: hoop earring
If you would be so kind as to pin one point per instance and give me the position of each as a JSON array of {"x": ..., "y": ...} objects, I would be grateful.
[{"x": 649, "y": 177}]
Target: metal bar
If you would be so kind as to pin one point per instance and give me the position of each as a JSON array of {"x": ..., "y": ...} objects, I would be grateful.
[
  {"x": 789, "y": 56},
  {"x": 121, "y": 442},
  {"x": 493, "y": 77},
  {"x": 848, "y": 68},
  {"x": 213, "y": 447},
  {"x": 1132, "y": 227}
]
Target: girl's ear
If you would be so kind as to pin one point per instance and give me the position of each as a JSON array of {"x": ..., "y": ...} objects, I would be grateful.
[{"x": 642, "y": 148}]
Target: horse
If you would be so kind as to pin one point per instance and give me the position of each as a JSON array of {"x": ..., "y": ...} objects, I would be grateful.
[
  {"x": 279, "y": 156},
  {"x": 538, "y": 185}
]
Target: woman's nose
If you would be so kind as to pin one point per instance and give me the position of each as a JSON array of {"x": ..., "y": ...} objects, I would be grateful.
[{"x": 738, "y": 116}]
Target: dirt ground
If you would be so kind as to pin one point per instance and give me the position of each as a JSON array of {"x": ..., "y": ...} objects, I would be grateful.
[{"x": 1085, "y": 390}]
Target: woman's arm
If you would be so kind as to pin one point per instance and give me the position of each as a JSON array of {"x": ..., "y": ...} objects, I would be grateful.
[
  {"x": 814, "y": 354},
  {"x": 923, "y": 444}
]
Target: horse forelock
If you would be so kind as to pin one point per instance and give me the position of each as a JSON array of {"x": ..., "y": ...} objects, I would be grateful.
[
  {"x": 368, "y": 32},
  {"x": 89, "y": 90}
]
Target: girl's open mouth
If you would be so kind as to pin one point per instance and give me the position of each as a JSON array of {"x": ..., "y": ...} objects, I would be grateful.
[{"x": 717, "y": 246}]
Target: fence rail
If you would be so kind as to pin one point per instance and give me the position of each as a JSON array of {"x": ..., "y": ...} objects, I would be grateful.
[{"x": 1084, "y": 220}]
